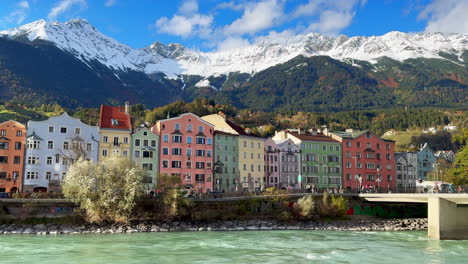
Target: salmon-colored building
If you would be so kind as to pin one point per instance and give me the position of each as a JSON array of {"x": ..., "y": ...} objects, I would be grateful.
[
  {"x": 368, "y": 160},
  {"x": 12, "y": 147},
  {"x": 186, "y": 150}
]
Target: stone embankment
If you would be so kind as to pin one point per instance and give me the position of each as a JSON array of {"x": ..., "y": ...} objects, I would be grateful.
[{"x": 148, "y": 226}]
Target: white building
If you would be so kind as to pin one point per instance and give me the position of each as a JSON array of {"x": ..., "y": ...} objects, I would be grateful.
[
  {"x": 406, "y": 169},
  {"x": 52, "y": 145}
]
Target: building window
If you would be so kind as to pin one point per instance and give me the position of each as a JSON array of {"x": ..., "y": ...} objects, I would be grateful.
[
  {"x": 137, "y": 142},
  {"x": 208, "y": 165},
  {"x": 33, "y": 144},
  {"x": 200, "y": 153},
  {"x": 370, "y": 165},
  {"x": 189, "y": 128},
  {"x": 200, "y": 177},
  {"x": 88, "y": 146},
  {"x": 4, "y": 145},
  {"x": 189, "y": 152},
  {"x": 125, "y": 153},
  {"x": 105, "y": 139},
  {"x": 177, "y": 151},
  {"x": 77, "y": 130},
  {"x": 48, "y": 175},
  {"x": 51, "y": 129},
  {"x": 64, "y": 161},
  {"x": 31, "y": 160},
  {"x": 137, "y": 154},
  {"x": 200, "y": 165},
  {"x": 63, "y": 130},
  {"x": 389, "y": 166},
  {"x": 65, "y": 145},
  {"x": 165, "y": 151},
  {"x": 125, "y": 140},
  {"x": 389, "y": 156},
  {"x": 104, "y": 152},
  {"x": 189, "y": 140},
  {"x": 153, "y": 143},
  {"x": 49, "y": 161},
  {"x": 209, "y": 141},
  {"x": 201, "y": 140},
  {"x": 370, "y": 177},
  {"x": 165, "y": 163},
  {"x": 32, "y": 175},
  {"x": 165, "y": 138},
  {"x": 387, "y": 146},
  {"x": 189, "y": 164},
  {"x": 176, "y": 164},
  {"x": 389, "y": 178},
  {"x": 177, "y": 126},
  {"x": 50, "y": 144},
  {"x": 337, "y": 148},
  {"x": 348, "y": 164},
  {"x": 177, "y": 139},
  {"x": 147, "y": 154},
  {"x": 348, "y": 144},
  {"x": 208, "y": 153},
  {"x": 200, "y": 129},
  {"x": 145, "y": 133},
  {"x": 17, "y": 145}
]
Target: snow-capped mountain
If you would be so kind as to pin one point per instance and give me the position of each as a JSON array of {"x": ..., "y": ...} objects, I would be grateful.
[{"x": 86, "y": 43}]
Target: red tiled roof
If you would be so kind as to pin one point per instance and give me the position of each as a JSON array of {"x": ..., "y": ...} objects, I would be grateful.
[
  {"x": 114, "y": 112},
  {"x": 310, "y": 137}
]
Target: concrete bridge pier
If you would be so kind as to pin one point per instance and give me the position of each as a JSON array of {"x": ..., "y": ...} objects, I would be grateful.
[{"x": 447, "y": 219}]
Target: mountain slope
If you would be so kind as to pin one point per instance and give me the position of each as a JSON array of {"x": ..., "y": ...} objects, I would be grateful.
[{"x": 75, "y": 65}]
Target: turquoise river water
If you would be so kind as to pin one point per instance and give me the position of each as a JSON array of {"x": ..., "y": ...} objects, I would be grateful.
[{"x": 234, "y": 247}]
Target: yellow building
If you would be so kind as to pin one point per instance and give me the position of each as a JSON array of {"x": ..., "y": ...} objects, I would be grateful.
[
  {"x": 115, "y": 129},
  {"x": 250, "y": 152}
]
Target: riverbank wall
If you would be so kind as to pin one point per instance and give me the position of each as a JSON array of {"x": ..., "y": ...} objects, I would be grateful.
[{"x": 209, "y": 210}]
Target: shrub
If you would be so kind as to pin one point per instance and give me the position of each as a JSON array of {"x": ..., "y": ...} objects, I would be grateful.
[
  {"x": 105, "y": 191},
  {"x": 175, "y": 205},
  {"x": 340, "y": 204},
  {"x": 305, "y": 207}
]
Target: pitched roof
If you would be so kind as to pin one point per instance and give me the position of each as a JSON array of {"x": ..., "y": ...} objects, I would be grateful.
[
  {"x": 116, "y": 113},
  {"x": 217, "y": 132},
  {"x": 311, "y": 137},
  {"x": 240, "y": 130},
  {"x": 353, "y": 134}
]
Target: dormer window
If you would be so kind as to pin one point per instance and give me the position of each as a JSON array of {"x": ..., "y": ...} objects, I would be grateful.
[{"x": 115, "y": 122}]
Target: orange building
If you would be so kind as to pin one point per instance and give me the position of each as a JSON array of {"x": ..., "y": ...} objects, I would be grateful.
[{"x": 12, "y": 147}]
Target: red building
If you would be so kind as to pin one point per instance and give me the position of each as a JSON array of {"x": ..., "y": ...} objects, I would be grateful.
[
  {"x": 186, "y": 150},
  {"x": 368, "y": 160},
  {"x": 12, "y": 147}
]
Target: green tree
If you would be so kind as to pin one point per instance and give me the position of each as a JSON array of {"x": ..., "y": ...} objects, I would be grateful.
[
  {"x": 105, "y": 191},
  {"x": 458, "y": 174}
]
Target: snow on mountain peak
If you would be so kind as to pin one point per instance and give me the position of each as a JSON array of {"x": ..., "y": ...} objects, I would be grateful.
[{"x": 84, "y": 41}]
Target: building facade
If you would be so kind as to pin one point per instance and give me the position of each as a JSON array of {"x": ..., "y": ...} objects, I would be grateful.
[
  {"x": 12, "y": 150},
  {"x": 250, "y": 152},
  {"x": 115, "y": 129},
  {"x": 426, "y": 161},
  {"x": 145, "y": 153},
  {"x": 368, "y": 160},
  {"x": 52, "y": 146},
  {"x": 226, "y": 174},
  {"x": 289, "y": 163},
  {"x": 272, "y": 164},
  {"x": 186, "y": 150},
  {"x": 406, "y": 170},
  {"x": 320, "y": 158}
]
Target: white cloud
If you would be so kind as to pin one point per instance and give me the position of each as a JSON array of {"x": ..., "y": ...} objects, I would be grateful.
[
  {"x": 230, "y": 5},
  {"x": 232, "y": 43},
  {"x": 188, "y": 7},
  {"x": 257, "y": 17},
  {"x": 332, "y": 16},
  {"x": 187, "y": 22},
  {"x": 24, "y": 4},
  {"x": 63, "y": 6},
  {"x": 184, "y": 26},
  {"x": 110, "y": 3},
  {"x": 18, "y": 15},
  {"x": 448, "y": 16}
]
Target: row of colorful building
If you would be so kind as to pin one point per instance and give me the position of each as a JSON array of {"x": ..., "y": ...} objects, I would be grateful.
[{"x": 206, "y": 153}]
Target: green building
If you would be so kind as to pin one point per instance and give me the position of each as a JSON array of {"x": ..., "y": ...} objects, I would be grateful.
[
  {"x": 321, "y": 162},
  {"x": 145, "y": 153},
  {"x": 226, "y": 162}
]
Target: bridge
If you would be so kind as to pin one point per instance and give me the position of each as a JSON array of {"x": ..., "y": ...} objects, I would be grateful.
[{"x": 447, "y": 213}]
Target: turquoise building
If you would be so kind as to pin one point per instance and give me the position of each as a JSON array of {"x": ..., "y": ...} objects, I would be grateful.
[{"x": 226, "y": 162}]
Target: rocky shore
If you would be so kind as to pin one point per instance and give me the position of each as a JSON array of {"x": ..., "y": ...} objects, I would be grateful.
[{"x": 148, "y": 226}]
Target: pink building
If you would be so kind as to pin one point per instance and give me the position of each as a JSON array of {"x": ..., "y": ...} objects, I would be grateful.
[
  {"x": 272, "y": 164},
  {"x": 186, "y": 150}
]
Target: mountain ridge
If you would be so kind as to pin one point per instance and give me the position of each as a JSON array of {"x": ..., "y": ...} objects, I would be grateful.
[{"x": 87, "y": 43}]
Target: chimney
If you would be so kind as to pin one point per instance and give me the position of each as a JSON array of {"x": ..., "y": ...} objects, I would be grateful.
[
  {"x": 127, "y": 108},
  {"x": 247, "y": 130},
  {"x": 221, "y": 113},
  {"x": 349, "y": 130}
]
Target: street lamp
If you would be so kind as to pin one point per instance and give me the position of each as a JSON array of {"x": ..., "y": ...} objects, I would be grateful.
[{"x": 378, "y": 180}]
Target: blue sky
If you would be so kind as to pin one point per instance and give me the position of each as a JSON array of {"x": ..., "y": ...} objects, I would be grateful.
[{"x": 222, "y": 24}]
